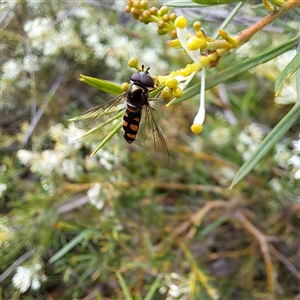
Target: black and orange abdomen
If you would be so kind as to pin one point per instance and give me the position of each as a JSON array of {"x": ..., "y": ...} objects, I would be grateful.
[{"x": 131, "y": 123}]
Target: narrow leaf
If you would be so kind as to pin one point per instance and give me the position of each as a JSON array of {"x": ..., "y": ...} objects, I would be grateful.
[
  {"x": 153, "y": 288},
  {"x": 117, "y": 116},
  {"x": 286, "y": 73},
  {"x": 67, "y": 247},
  {"x": 124, "y": 287},
  {"x": 216, "y": 2},
  {"x": 181, "y": 4},
  {"x": 111, "y": 134},
  {"x": 102, "y": 85},
  {"x": 270, "y": 140},
  {"x": 214, "y": 225}
]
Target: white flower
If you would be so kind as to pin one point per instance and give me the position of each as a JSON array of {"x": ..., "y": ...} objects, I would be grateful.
[
  {"x": 107, "y": 159},
  {"x": 225, "y": 176},
  {"x": 3, "y": 187},
  {"x": 174, "y": 291},
  {"x": 255, "y": 132},
  {"x": 11, "y": 69},
  {"x": 296, "y": 146},
  {"x": 294, "y": 160},
  {"x": 297, "y": 174},
  {"x": 220, "y": 136},
  {"x": 275, "y": 184},
  {"x": 282, "y": 155},
  {"x": 73, "y": 136},
  {"x": 244, "y": 138},
  {"x": 22, "y": 279},
  {"x": 177, "y": 287},
  {"x": 71, "y": 169},
  {"x": 6, "y": 232},
  {"x": 288, "y": 93},
  {"x": 94, "y": 196},
  {"x": 249, "y": 140},
  {"x": 25, "y": 156},
  {"x": 30, "y": 63},
  {"x": 28, "y": 276},
  {"x": 57, "y": 132},
  {"x": 37, "y": 27},
  {"x": 35, "y": 283}
]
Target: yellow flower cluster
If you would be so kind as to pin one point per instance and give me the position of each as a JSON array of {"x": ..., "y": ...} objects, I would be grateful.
[
  {"x": 203, "y": 50},
  {"x": 141, "y": 11}
]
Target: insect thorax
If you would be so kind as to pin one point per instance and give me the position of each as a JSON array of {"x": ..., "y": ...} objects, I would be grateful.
[{"x": 137, "y": 95}]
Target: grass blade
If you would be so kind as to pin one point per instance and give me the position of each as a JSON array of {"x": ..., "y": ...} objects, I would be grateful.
[
  {"x": 108, "y": 137},
  {"x": 124, "y": 287},
  {"x": 286, "y": 73},
  {"x": 271, "y": 139},
  {"x": 67, "y": 247},
  {"x": 153, "y": 288}
]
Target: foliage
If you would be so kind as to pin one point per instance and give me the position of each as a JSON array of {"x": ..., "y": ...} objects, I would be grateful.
[{"x": 116, "y": 225}]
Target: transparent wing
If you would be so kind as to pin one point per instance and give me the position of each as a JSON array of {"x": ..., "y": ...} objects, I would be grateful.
[
  {"x": 99, "y": 114},
  {"x": 151, "y": 137}
]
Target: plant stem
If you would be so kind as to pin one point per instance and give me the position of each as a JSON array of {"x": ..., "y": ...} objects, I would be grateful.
[{"x": 249, "y": 32}]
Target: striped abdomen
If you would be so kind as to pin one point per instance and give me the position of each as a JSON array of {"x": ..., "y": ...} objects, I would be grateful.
[{"x": 131, "y": 123}]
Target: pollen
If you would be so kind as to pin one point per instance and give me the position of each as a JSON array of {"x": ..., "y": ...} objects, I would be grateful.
[
  {"x": 196, "y": 128},
  {"x": 166, "y": 94},
  {"x": 177, "y": 92},
  {"x": 181, "y": 22},
  {"x": 193, "y": 43},
  {"x": 171, "y": 83},
  {"x": 125, "y": 86}
]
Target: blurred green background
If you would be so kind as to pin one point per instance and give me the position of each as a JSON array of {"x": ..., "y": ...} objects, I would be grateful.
[{"x": 71, "y": 224}]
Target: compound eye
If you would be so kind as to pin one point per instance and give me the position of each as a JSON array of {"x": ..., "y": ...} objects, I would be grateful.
[
  {"x": 147, "y": 81},
  {"x": 135, "y": 77}
]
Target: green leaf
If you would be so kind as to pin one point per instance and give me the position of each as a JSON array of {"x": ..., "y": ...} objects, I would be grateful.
[
  {"x": 181, "y": 3},
  {"x": 290, "y": 69},
  {"x": 271, "y": 139},
  {"x": 97, "y": 295},
  {"x": 124, "y": 287},
  {"x": 214, "y": 225},
  {"x": 67, "y": 247},
  {"x": 216, "y": 2},
  {"x": 153, "y": 288},
  {"x": 237, "y": 69},
  {"x": 102, "y": 85},
  {"x": 108, "y": 137}
]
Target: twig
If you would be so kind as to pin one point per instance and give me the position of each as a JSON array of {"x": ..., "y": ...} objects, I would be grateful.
[
  {"x": 17, "y": 262},
  {"x": 203, "y": 279},
  {"x": 263, "y": 242},
  {"x": 40, "y": 111},
  {"x": 197, "y": 218},
  {"x": 249, "y": 32},
  {"x": 285, "y": 261},
  {"x": 72, "y": 204}
]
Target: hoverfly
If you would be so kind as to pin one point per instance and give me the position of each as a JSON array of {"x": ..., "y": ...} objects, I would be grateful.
[{"x": 139, "y": 119}]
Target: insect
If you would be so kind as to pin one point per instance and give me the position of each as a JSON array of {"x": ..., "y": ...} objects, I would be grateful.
[{"x": 139, "y": 121}]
